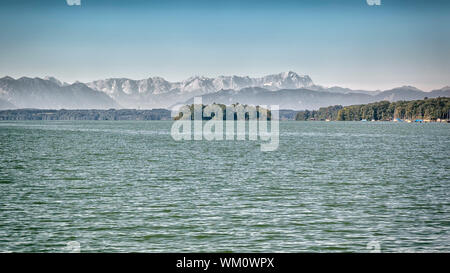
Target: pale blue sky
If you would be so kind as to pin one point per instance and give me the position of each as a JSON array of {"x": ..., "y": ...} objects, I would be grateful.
[{"x": 346, "y": 43}]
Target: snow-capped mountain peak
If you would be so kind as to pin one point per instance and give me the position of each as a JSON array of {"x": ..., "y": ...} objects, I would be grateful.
[
  {"x": 55, "y": 80},
  {"x": 285, "y": 89},
  {"x": 198, "y": 84},
  {"x": 287, "y": 80}
]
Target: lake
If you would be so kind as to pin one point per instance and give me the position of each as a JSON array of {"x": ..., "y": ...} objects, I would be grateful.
[{"x": 120, "y": 186}]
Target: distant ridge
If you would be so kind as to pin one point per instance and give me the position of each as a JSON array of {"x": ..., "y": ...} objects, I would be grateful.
[
  {"x": 6, "y": 105},
  {"x": 302, "y": 99},
  {"x": 41, "y": 93}
]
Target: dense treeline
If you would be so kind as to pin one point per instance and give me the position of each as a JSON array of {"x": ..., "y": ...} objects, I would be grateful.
[
  {"x": 323, "y": 113},
  {"x": 430, "y": 109},
  {"x": 427, "y": 109},
  {"x": 236, "y": 110},
  {"x": 383, "y": 110},
  {"x": 111, "y": 114}
]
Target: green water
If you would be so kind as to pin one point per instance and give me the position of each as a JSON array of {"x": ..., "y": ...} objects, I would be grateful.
[{"x": 127, "y": 186}]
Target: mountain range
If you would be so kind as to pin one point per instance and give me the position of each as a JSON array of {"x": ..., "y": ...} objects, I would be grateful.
[
  {"x": 49, "y": 94},
  {"x": 288, "y": 89}
]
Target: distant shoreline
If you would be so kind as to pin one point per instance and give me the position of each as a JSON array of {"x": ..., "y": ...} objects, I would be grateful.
[
  {"x": 85, "y": 114},
  {"x": 427, "y": 110}
]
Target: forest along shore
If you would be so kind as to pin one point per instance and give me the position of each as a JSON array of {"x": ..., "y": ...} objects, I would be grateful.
[
  {"x": 91, "y": 114},
  {"x": 426, "y": 110}
]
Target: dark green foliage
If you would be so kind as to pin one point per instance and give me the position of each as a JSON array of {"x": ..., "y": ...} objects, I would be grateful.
[
  {"x": 323, "y": 113},
  {"x": 111, "y": 114},
  {"x": 432, "y": 109}
]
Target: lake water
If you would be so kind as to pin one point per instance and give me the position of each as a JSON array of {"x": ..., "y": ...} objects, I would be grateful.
[{"x": 128, "y": 186}]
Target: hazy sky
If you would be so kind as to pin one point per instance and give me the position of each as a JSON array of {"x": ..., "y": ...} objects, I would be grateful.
[{"x": 337, "y": 42}]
